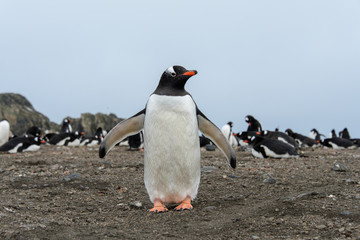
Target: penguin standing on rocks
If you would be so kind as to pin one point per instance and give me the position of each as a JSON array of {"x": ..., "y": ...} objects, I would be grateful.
[
  {"x": 254, "y": 125},
  {"x": 171, "y": 121},
  {"x": 66, "y": 126},
  {"x": 228, "y": 133}
]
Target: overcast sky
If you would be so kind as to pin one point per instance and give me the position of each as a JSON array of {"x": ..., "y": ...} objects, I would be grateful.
[{"x": 290, "y": 64}]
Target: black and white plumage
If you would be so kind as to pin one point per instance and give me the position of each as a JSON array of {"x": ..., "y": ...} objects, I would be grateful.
[
  {"x": 229, "y": 135},
  {"x": 332, "y": 134},
  {"x": 314, "y": 134},
  {"x": 94, "y": 140},
  {"x": 34, "y": 131},
  {"x": 263, "y": 147},
  {"x": 66, "y": 126},
  {"x": 171, "y": 121},
  {"x": 26, "y": 143},
  {"x": 136, "y": 141},
  {"x": 302, "y": 140},
  {"x": 338, "y": 143},
  {"x": 64, "y": 139},
  {"x": 254, "y": 124},
  {"x": 281, "y": 136},
  {"x": 344, "y": 134}
]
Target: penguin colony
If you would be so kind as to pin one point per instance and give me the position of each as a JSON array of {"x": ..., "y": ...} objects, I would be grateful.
[{"x": 167, "y": 130}]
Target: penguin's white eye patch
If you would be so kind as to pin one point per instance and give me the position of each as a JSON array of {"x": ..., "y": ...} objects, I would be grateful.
[{"x": 171, "y": 71}]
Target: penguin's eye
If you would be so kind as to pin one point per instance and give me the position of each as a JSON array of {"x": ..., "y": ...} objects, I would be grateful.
[{"x": 173, "y": 74}]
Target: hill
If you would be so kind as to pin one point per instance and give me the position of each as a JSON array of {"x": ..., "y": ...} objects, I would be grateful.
[{"x": 22, "y": 115}]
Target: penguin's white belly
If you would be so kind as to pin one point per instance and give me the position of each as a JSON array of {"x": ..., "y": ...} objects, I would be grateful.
[{"x": 171, "y": 148}]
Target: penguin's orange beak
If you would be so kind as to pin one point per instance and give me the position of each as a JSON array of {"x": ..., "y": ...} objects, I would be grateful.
[{"x": 190, "y": 73}]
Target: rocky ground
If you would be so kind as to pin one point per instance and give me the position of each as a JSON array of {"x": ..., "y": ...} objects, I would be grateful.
[{"x": 70, "y": 193}]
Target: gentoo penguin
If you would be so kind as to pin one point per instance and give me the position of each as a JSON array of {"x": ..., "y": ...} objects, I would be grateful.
[
  {"x": 314, "y": 134},
  {"x": 302, "y": 140},
  {"x": 171, "y": 121},
  {"x": 136, "y": 141},
  {"x": 74, "y": 139},
  {"x": 34, "y": 131},
  {"x": 332, "y": 134},
  {"x": 280, "y": 136},
  {"x": 244, "y": 138},
  {"x": 254, "y": 125},
  {"x": 228, "y": 133},
  {"x": 22, "y": 144},
  {"x": 338, "y": 143},
  {"x": 4, "y": 131},
  {"x": 268, "y": 147},
  {"x": 344, "y": 134},
  {"x": 66, "y": 126},
  {"x": 58, "y": 139},
  {"x": 94, "y": 140},
  {"x": 32, "y": 144}
]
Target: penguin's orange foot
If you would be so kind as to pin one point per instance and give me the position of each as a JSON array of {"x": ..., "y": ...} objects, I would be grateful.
[
  {"x": 158, "y": 207},
  {"x": 185, "y": 205}
]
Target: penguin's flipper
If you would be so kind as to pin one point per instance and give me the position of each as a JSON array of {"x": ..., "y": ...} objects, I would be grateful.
[
  {"x": 211, "y": 131},
  {"x": 121, "y": 131}
]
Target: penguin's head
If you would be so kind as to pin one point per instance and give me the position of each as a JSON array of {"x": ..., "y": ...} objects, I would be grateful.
[
  {"x": 174, "y": 78},
  {"x": 249, "y": 119}
]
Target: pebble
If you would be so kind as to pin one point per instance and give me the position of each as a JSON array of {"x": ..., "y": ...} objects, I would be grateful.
[
  {"x": 136, "y": 204},
  {"x": 208, "y": 169},
  {"x": 209, "y": 208},
  {"x": 210, "y": 147},
  {"x": 345, "y": 213},
  {"x": 270, "y": 181},
  {"x": 322, "y": 226},
  {"x": 338, "y": 167},
  {"x": 72, "y": 176}
]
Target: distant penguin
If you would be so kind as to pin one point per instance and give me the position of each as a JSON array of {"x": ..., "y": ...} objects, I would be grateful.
[
  {"x": 171, "y": 121},
  {"x": 22, "y": 144},
  {"x": 34, "y": 131},
  {"x": 338, "y": 143},
  {"x": 66, "y": 126},
  {"x": 228, "y": 133},
  {"x": 244, "y": 137},
  {"x": 58, "y": 139},
  {"x": 344, "y": 134},
  {"x": 332, "y": 134},
  {"x": 94, "y": 140},
  {"x": 281, "y": 136},
  {"x": 254, "y": 125},
  {"x": 204, "y": 141},
  {"x": 268, "y": 147},
  {"x": 136, "y": 141},
  {"x": 4, "y": 131},
  {"x": 314, "y": 134},
  {"x": 302, "y": 140},
  {"x": 74, "y": 139},
  {"x": 32, "y": 144}
]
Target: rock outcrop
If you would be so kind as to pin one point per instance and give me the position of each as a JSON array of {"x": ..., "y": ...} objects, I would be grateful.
[
  {"x": 88, "y": 122},
  {"x": 22, "y": 115}
]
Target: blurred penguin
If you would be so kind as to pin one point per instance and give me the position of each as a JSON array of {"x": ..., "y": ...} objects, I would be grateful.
[
  {"x": 344, "y": 134},
  {"x": 5, "y": 133},
  {"x": 66, "y": 126},
  {"x": 254, "y": 125},
  {"x": 227, "y": 131}
]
